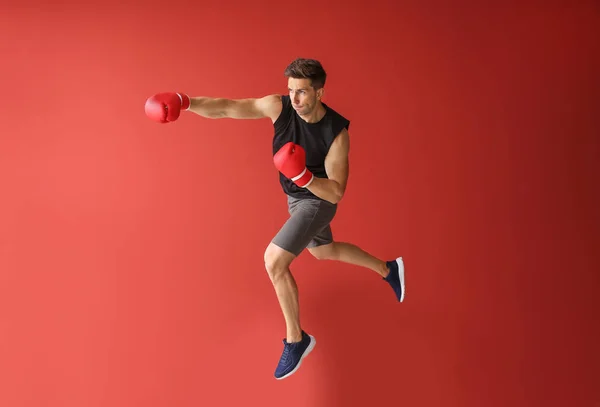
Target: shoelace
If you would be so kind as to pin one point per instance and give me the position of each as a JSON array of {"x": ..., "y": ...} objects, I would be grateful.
[{"x": 286, "y": 351}]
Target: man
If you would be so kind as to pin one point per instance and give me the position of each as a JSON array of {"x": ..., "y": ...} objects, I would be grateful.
[{"x": 310, "y": 150}]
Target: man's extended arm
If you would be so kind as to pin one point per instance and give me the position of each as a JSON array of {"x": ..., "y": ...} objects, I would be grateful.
[
  {"x": 332, "y": 189},
  {"x": 167, "y": 107},
  {"x": 251, "y": 108}
]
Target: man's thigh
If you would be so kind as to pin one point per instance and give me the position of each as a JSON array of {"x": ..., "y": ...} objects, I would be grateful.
[{"x": 308, "y": 224}]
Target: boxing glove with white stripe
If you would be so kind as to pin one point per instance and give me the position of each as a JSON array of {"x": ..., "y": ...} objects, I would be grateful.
[
  {"x": 290, "y": 160},
  {"x": 166, "y": 107}
]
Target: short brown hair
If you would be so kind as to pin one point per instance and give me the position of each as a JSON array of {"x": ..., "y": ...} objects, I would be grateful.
[{"x": 303, "y": 68}]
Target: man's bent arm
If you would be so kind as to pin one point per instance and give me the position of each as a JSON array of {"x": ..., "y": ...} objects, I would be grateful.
[
  {"x": 251, "y": 108},
  {"x": 332, "y": 189},
  {"x": 326, "y": 189}
]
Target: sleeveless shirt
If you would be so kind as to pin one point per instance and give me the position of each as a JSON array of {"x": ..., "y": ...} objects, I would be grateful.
[{"x": 315, "y": 138}]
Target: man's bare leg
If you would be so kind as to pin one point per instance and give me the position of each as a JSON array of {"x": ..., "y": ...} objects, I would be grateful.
[
  {"x": 277, "y": 263},
  {"x": 298, "y": 344},
  {"x": 351, "y": 254}
]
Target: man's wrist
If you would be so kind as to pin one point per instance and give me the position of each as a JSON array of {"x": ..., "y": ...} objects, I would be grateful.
[
  {"x": 304, "y": 178},
  {"x": 312, "y": 178}
]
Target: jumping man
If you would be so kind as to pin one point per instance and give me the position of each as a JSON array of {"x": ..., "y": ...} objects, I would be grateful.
[{"x": 310, "y": 151}]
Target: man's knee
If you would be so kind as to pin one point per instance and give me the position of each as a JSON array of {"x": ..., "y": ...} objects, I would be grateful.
[
  {"x": 277, "y": 261},
  {"x": 325, "y": 252}
]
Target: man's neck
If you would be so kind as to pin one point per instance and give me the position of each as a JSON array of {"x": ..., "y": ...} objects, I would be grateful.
[{"x": 316, "y": 115}]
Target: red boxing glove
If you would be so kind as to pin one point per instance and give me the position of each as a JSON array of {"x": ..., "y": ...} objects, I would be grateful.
[
  {"x": 290, "y": 160},
  {"x": 166, "y": 107}
]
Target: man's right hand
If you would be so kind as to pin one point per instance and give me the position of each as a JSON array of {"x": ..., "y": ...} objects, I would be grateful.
[
  {"x": 290, "y": 160},
  {"x": 166, "y": 107}
]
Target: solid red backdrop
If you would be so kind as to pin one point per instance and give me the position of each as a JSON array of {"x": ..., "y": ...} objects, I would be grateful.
[{"x": 131, "y": 268}]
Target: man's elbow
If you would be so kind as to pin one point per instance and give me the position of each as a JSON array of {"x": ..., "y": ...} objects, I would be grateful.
[{"x": 338, "y": 194}]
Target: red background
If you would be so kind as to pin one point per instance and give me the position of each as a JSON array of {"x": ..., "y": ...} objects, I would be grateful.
[{"x": 131, "y": 253}]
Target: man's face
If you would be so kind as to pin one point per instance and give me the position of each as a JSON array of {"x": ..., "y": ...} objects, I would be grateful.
[{"x": 303, "y": 96}]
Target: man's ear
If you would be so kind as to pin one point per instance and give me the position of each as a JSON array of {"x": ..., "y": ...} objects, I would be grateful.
[{"x": 320, "y": 93}]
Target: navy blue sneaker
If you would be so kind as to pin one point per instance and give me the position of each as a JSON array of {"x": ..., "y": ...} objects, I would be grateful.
[
  {"x": 396, "y": 277},
  {"x": 292, "y": 356}
]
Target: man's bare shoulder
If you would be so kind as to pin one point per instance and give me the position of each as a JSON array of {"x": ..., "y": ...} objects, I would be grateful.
[{"x": 270, "y": 106}]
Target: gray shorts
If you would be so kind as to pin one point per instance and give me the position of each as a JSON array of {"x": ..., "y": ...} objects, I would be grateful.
[{"x": 307, "y": 226}]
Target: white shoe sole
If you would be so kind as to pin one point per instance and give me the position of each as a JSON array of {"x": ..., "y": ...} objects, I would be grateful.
[
  {"x": 311, "y": 346},
  {"x": 400, "y": 264}
]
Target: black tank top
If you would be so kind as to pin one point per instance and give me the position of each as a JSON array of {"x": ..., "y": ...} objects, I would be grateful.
[{"x": 315, "y": 138}]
